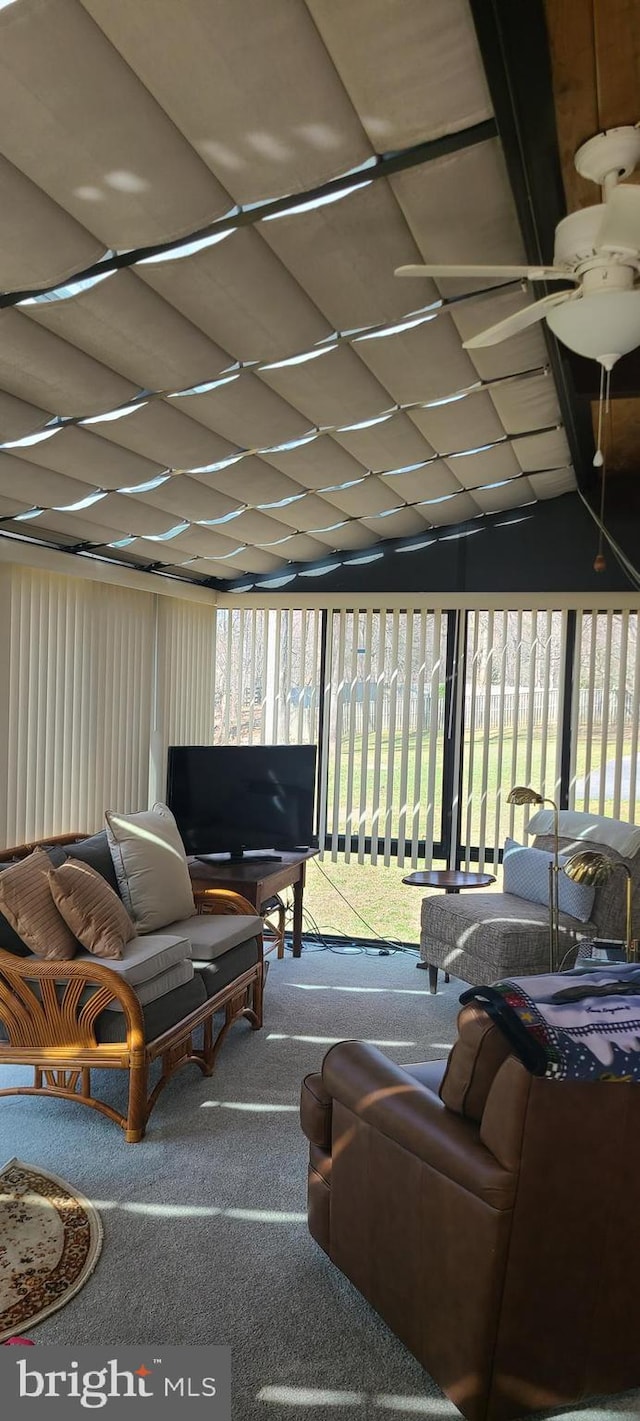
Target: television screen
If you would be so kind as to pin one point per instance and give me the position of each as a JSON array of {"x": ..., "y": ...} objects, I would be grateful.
[{"x": 232, "y": 798}]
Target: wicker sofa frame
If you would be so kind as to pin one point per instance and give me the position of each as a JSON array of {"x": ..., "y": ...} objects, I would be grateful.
[{"x": 49, "y": 1012}]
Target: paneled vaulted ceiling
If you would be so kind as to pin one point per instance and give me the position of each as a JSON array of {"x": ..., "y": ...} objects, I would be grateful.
[{"x": 265, "y": 392}]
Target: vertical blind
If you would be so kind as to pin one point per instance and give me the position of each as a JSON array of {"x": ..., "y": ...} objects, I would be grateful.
[
  {"x": 606, "y": 698},
  {"x": 381, "y": 714},
  {"x": 512, "y": 721},
  {"x": 99, "y": 679},
  {"x": 384, "y": 748},
  {"x": 79, "y": 664},
  {"x": 184, "y": 679},
  {"x": 267, "y": 688}
]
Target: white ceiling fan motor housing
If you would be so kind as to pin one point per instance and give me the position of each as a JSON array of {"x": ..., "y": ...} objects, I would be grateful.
[
  {"x": 576, "y": 250},
  {"x": 576, "y": 237},
  {"x": 611, "y": 155}
]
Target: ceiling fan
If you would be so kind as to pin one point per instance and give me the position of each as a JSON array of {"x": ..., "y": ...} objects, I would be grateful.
[{"x": 596, "y": 248}]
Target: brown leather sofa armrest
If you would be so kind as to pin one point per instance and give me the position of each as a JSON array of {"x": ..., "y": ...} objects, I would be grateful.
[
  {"x": 315, "y": 1112},
  {"x": 377, "y": 1090}
]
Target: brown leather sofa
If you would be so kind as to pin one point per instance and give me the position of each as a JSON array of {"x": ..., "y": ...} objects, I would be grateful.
[{"x": 489, "y": 1216}]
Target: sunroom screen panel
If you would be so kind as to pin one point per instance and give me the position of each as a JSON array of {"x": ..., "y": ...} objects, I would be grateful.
[
  {"x": 242, "y": 296},
  {"x": 413, "y": 71},
  {"x": 40, "y": 243},
  {"x": 344, "y": 255},
  {"x": 390, "y": 443},
  {"x": 123, "y": 323},
  {"x": 200, "y": 63},
  {"x": 526, "y": 404},
  {"x": 246, "y": 412},
  {"x": 78, "y": 121},
  {"x": 41, "y": 368},
  {"x": 460, "y": 209},
  {"x": 465, "y": 423}
]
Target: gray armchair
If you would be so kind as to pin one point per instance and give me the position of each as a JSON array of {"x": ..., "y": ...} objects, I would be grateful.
[{"x": 481, "y": 937}]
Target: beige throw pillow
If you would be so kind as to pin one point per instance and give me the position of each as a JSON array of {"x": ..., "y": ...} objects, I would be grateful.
[
  {"x": 90, "y": 908},
  {"x": 151, "y": 867},
  {"x": 27, "y": 904}
]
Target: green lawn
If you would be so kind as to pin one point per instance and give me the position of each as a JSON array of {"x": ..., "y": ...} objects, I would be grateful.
[
  {"x": 376, "y": 892},
  {"x": 378, "y": 895}
]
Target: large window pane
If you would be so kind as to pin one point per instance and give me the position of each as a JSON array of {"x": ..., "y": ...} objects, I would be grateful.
[
  {"x": 267, "y": 677},
  {"x": 605, "y": 773},
  {"x": 385, "y": 728},
  {"x": 512, "y": 721}
]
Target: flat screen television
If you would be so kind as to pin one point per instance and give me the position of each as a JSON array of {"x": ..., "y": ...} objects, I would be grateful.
[{"x": 246, "y": 801}]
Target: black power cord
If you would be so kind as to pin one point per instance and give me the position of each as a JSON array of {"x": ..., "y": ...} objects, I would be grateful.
[{"x": 390, "y": 946}]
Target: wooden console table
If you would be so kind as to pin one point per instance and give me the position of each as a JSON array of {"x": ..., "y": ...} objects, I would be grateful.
[{"x": 258, "y": 882}]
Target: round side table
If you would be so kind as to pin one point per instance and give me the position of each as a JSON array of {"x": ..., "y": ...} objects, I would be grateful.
[{"x": 451, "y": 880}]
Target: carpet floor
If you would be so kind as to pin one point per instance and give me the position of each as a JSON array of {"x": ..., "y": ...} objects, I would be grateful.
[{"x": 205, "y": 1237}]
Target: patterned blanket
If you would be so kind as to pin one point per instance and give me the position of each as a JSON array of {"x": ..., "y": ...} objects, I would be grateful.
[{"x": 577, "y": 1025}]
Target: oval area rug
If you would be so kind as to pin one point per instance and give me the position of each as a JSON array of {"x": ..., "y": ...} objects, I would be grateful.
[{"x": 50, "y": 1242}]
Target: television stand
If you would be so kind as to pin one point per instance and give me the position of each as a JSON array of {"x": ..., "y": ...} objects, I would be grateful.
[
  {"x": 251, "y": 856},
  {"x": 257, "y": 882}
]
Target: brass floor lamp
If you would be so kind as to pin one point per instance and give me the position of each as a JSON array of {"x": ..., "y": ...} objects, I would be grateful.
[
  {"x": 523, "y": 794},
  {"x": 590, "y": 866}
]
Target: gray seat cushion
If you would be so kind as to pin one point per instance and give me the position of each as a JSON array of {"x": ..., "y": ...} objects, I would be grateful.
[
  {"x": 218, "y": 974},
  {"x": 159, "y": 986},
  {"x": 158, "y": 1016},
  {"x": 212, "y": 934},
  {"x": 144, "y": 958},
  {"x": 153, "y": 965},
  {"x": 498, "y": 928}
]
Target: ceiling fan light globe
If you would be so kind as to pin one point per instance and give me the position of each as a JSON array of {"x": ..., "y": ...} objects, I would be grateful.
[{"x": 601, "y": 326}]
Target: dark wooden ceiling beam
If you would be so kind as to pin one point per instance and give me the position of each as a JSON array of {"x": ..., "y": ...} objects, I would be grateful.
[
  {"x": 571, "y": 30},
  {"x": 617, "y": 56},
  {"x": 595, "y": 60},
  {"x": 514, "y": 45}
]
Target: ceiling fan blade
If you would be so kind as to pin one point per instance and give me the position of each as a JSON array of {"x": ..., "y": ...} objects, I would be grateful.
[
  {"x": 508, "y": 273},
  {"x": 620, "y": 229},
  {"x": 519, "y": 322}
]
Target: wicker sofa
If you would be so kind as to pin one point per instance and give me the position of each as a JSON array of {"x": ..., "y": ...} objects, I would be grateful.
[
  {"x": 481, "y": 937},
  {"x": 67, "y": 1019}
]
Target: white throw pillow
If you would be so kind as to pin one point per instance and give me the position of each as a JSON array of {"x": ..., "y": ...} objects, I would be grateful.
[{"x": 151, "y": 867}]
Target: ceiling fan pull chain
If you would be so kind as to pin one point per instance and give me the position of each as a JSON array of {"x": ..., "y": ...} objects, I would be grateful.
[
  {"x": 600, "y": 561},
  {"x": 598, "y": 458}
]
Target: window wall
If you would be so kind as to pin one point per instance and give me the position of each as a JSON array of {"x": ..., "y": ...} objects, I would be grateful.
[
  {"x": 426, "y": 717},
  {"x": 383, "y": 750}
]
